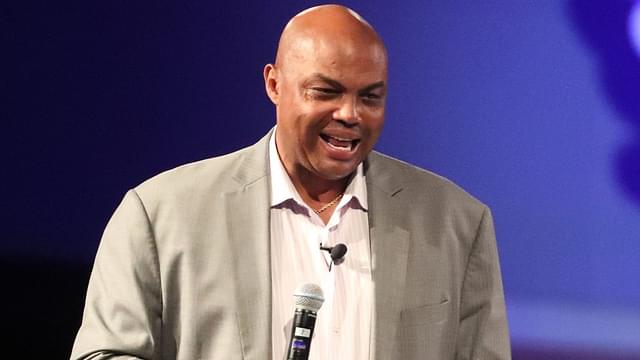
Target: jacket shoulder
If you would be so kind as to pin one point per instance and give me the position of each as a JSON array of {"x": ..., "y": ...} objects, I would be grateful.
[
  {"x": 423, "y": 185},
  {"x": 191, "y": 181}
]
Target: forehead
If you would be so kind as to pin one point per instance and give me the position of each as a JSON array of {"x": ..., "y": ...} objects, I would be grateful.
[{"x": 340, "y": 58}]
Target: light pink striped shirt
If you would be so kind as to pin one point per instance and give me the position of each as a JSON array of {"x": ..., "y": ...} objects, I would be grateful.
[{"x": 343, "y": 326}]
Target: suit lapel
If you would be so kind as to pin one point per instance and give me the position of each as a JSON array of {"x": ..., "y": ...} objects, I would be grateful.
[
  {"x": 389, "y": 238},
  {"x": 251, "y": 250}
]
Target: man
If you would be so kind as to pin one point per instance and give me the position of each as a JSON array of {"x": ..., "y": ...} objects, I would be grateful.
[{"x": 200, "y": 262}]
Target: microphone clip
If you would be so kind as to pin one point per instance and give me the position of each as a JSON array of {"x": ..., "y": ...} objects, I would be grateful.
[{"x": 337, "y": 253}]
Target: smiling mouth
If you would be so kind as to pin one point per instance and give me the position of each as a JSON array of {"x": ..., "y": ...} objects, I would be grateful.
[{"x": 340, "y": 143}]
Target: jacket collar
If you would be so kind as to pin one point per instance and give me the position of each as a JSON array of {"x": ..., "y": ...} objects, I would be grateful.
[
  {"x": 248, "y": 230},
  {"x": 389, "y": 238}
]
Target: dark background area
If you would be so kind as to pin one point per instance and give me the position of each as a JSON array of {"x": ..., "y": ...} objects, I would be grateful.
[{"x": 532, "y": 107}]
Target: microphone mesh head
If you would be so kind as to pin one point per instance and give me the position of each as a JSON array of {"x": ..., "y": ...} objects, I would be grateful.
[
  {"x": 309, "y": 296},
  {"x": 338, "y": 252}
]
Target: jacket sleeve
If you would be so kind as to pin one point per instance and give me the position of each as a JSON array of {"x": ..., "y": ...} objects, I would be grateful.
[
  {"x": 483, "y": 332},
  {"x": 123, "y": 309}
]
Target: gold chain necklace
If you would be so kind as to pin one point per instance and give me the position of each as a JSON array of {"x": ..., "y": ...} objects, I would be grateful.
[{"x": 329, "y": 204}]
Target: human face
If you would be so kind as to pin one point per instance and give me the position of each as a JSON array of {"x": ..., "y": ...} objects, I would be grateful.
[{"x": 330, "y": 108}]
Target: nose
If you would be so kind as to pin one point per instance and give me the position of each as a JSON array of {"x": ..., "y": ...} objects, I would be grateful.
[{"x": 348, "y": 111}]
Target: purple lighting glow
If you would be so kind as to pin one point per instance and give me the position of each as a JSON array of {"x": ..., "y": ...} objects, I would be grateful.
[{"x": 634, "y": 27}]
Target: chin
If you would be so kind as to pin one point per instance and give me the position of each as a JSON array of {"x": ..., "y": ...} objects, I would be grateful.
[{"x": 338, "y": 173}]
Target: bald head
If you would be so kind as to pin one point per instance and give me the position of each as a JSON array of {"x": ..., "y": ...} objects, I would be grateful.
[
  {"x": 329, "y": 87},
  {"x": 320, "y": 27}
]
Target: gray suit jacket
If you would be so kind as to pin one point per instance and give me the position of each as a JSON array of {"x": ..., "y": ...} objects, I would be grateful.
[{"x": 183, "y": 268}]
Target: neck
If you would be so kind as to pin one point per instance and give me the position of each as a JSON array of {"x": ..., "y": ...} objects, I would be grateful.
[
  {"x": 315, "y": 190},
  {"x": 320, "y": 195}
]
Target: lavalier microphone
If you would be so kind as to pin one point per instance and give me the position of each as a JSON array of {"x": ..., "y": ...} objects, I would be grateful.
[{"x": 337, "y": 252}]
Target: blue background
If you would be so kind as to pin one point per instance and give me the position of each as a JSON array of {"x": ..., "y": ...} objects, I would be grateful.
[{"x": 532, "y": 106}]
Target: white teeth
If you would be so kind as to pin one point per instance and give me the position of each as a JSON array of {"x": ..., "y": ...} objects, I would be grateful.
[
  {"x": 337, "y": 143},
  {"x": 339, "y": 147},
  {"x": 339, "y": 138}
]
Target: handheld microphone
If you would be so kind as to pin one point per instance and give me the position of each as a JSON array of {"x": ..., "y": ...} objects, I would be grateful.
[
  {"x": 337, "y": 252},
  {"x": 309, "y": 299}
]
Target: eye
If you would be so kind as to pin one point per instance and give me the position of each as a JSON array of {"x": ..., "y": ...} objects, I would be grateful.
[
  {"x": 372, "y": 99},
  {"x": 327, "y": 91},
  {"x": 322, "y": 93}
]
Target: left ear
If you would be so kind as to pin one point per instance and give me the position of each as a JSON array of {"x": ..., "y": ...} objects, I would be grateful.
[{"x": 271, "y": 84}]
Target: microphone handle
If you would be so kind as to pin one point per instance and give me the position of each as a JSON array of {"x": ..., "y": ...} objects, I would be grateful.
[{"x": 301, "y": 333}]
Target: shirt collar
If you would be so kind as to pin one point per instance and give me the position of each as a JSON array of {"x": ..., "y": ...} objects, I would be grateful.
[{"x": 282, "y": 188}]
